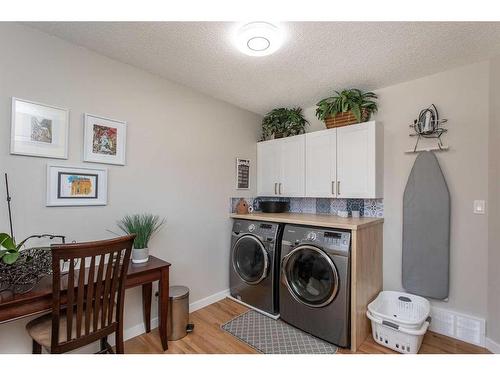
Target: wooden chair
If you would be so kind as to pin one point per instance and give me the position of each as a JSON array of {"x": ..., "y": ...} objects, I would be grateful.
[{"x": 83, "y": 301}]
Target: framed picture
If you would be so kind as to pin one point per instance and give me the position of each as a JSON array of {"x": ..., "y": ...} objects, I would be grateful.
[
  {"x": 242, "y": 174},
  {"x": 39, "y": 130},
  {"x": 104, "y": 140},
  {"x": 76, "y": 186}
]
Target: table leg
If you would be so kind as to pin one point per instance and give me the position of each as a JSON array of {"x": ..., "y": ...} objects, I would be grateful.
[
  {"x": 147, "y": 290},
  {"x": 163, "y": 307}
]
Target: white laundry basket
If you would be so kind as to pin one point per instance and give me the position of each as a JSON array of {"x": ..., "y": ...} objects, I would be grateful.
[{"x": 399, "y": 320}]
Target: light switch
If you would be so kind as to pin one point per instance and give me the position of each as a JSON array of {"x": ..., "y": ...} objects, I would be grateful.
[{"x": 479, "y": 207}]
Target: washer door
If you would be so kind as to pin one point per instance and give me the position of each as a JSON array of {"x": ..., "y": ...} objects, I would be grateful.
[
  {"x": 250, "y": 259},
  {"x": 311, "y": 276}
]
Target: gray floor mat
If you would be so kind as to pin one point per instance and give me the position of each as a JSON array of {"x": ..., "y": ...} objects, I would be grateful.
[{"x": 271, "y": 336}]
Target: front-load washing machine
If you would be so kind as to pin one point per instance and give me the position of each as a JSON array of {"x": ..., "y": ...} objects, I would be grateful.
[
  {"x": 315, "y": 282},
  {"x": 254, "y": 264}
]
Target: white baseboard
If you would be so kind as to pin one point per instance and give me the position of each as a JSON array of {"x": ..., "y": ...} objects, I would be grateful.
[
  {"x": 457, "y": 325},
  {"x": 208, "y": 300},
  {"x": 492, "y": 346},
  {"x": 139, "y": 329}
]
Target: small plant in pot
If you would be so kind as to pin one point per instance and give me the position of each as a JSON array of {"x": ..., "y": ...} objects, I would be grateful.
[
  {"x": 144, "y": 226},
  {"x": 283, "y": 122},
  {"x": 347, "y": 107}
]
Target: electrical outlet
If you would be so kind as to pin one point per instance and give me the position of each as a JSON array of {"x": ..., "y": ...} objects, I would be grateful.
[{"x": 479, "y": 207}]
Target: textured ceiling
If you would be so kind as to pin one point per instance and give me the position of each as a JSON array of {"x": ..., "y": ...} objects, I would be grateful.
[{"x": 316, "y": 58}]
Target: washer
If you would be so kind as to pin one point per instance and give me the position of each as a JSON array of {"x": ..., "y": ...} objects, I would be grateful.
[
  {"x": 254, "y": 264},
  {"x": 315, "y": 282}
]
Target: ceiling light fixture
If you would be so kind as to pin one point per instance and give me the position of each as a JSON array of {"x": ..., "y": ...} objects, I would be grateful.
[{"x": 258, "y": 38}]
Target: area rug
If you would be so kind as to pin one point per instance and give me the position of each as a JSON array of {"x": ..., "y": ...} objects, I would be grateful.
[{"x": 270, "y": 336}]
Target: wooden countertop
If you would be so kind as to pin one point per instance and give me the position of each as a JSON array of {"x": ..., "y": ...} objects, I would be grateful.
[{"x": 316, "y": 220}]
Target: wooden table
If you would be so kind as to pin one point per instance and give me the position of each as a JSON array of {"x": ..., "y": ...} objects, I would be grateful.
[{"x": 39, "y": 299}]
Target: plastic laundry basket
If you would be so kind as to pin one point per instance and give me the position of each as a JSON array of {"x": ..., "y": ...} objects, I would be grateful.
[{"x": 399, "y": 320}]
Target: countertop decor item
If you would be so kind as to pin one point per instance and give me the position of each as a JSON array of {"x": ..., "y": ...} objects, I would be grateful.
[
  {"x": 39, "y": 130},
  {"x": 104, "y": 140},
  {"x": 144, "y": 226},
  {"x": 347, "y": 107},
  {"x": 283, "y": 122},
  {"x": 242, "y": 207}
]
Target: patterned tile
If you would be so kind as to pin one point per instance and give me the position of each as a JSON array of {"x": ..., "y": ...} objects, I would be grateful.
[
  {"x": 367, "y": 207},
  {"x": 373, "y": 208},
  {"x": 271, "y": 336},
  {"x": 355, "y": 205},
  {"x": 323, "y": 205},
  {"x": 337, "y": 205}
]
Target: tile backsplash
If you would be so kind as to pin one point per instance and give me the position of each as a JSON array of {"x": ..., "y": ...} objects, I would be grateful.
[{"x": 326, "y": 206}]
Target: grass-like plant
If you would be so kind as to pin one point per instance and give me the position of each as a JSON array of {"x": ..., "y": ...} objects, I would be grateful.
[{"x": 144, "y": 226}]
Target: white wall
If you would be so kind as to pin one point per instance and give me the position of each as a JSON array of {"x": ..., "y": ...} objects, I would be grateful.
[
  {"x": 493, "y": 327},
  {"x": 180, "y": 160},
  {"x": 461, "y": 95}
]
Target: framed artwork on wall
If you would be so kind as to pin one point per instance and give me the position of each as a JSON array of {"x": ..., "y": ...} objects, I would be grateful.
[
  {"x": 104, "y": 140},
  {"x": 76, "y": 186},
  {"x": 39, "y": 130},
  {"x": 242, "y": 174}
]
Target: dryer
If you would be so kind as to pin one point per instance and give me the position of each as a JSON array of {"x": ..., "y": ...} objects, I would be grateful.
[
  {"x": 315, "y": 282},
  {"x": 254, "y": 264}
]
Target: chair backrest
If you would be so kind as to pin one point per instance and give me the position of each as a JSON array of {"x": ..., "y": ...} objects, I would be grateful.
[{"x": 87, "y": 295}]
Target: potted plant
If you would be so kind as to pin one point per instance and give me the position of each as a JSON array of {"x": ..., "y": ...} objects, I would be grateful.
[
  {"x": 9, "y": 251},
  {"x": 144, "y": 226},
  {"x": 283, "y": 122},
  {"x": 347, "y": 107}
]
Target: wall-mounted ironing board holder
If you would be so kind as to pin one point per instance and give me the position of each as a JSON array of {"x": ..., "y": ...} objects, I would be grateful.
[{"x": 434, "y": 135}]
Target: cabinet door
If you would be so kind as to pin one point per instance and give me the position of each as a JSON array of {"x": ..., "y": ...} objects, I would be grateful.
[
  {"x": 268, "y": 167},
  {"x": 356, "y": 161},
  {"x": 321, "y": 164},
  {"x": 292, "y": 167}
]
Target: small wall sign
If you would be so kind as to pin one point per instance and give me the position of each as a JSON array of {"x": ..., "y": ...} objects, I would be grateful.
[{"x": 242, "y": 174}]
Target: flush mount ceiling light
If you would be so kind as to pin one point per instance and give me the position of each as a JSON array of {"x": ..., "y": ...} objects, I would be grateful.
[{"x": 258, "y": 38}]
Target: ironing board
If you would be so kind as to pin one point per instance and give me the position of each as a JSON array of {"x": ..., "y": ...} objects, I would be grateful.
[{"x": 426, "y": 229}]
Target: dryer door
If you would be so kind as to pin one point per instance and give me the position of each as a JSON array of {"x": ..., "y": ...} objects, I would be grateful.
[
  {"x": 250, "y": 259},
  {"x": 310, "y": 276}
]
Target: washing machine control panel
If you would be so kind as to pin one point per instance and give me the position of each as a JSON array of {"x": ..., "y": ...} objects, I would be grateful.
[{"x": 332, "y": 239}]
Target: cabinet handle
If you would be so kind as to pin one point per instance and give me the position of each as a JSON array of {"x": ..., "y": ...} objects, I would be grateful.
[
  {"x": 280, "y": 188},
  {"x": 338, "y": 187},
  {"x": 275, "y": 188},
  {"x": 333, "y": 187}
]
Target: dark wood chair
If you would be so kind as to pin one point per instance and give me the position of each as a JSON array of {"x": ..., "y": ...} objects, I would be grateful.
[{"x": 87, "y": 303}]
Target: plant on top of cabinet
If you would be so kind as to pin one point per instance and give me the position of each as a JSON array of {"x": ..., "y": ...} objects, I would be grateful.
[
  {"x": 283, "y": 122},
  {"x": 347, "y": 107}
]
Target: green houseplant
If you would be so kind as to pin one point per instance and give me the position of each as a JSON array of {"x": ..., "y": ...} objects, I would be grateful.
[
  {"x": 283, "y": 122},
  {"x": 346, "y": 107},
  {"x": 9, "y": 250},
  {"x": 144, "y": 226}
]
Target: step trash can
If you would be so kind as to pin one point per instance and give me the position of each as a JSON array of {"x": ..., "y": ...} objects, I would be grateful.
[{"x": 178, "y": 312}]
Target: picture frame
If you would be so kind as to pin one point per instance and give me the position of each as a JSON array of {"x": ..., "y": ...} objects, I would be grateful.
[
  {"x": 39, "y": 130},
  {"x": 242, "y": 174},
  {"x": 104, "y": 140},
  {"x": 76, "y": 186}
]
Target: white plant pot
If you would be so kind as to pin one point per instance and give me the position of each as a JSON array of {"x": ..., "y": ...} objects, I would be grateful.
[{"x": 140, "y": 255}]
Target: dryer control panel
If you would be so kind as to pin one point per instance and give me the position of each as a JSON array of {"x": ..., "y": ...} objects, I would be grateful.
[{"x": 323, "y": 237}]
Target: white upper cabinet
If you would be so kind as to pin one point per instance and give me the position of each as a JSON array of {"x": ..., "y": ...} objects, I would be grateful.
[
  {"x": 292, "y": 181},
  {"x": 360, "y": 161},
  {"x": 268, "y": 168},
  {"x": 321, "y": 163},
  {"x": 345, "y": 162},
  {"x": 280, "y": 167}
]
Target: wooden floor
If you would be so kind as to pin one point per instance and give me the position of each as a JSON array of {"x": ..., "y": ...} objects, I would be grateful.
[{"x": 209, "y": 338}]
